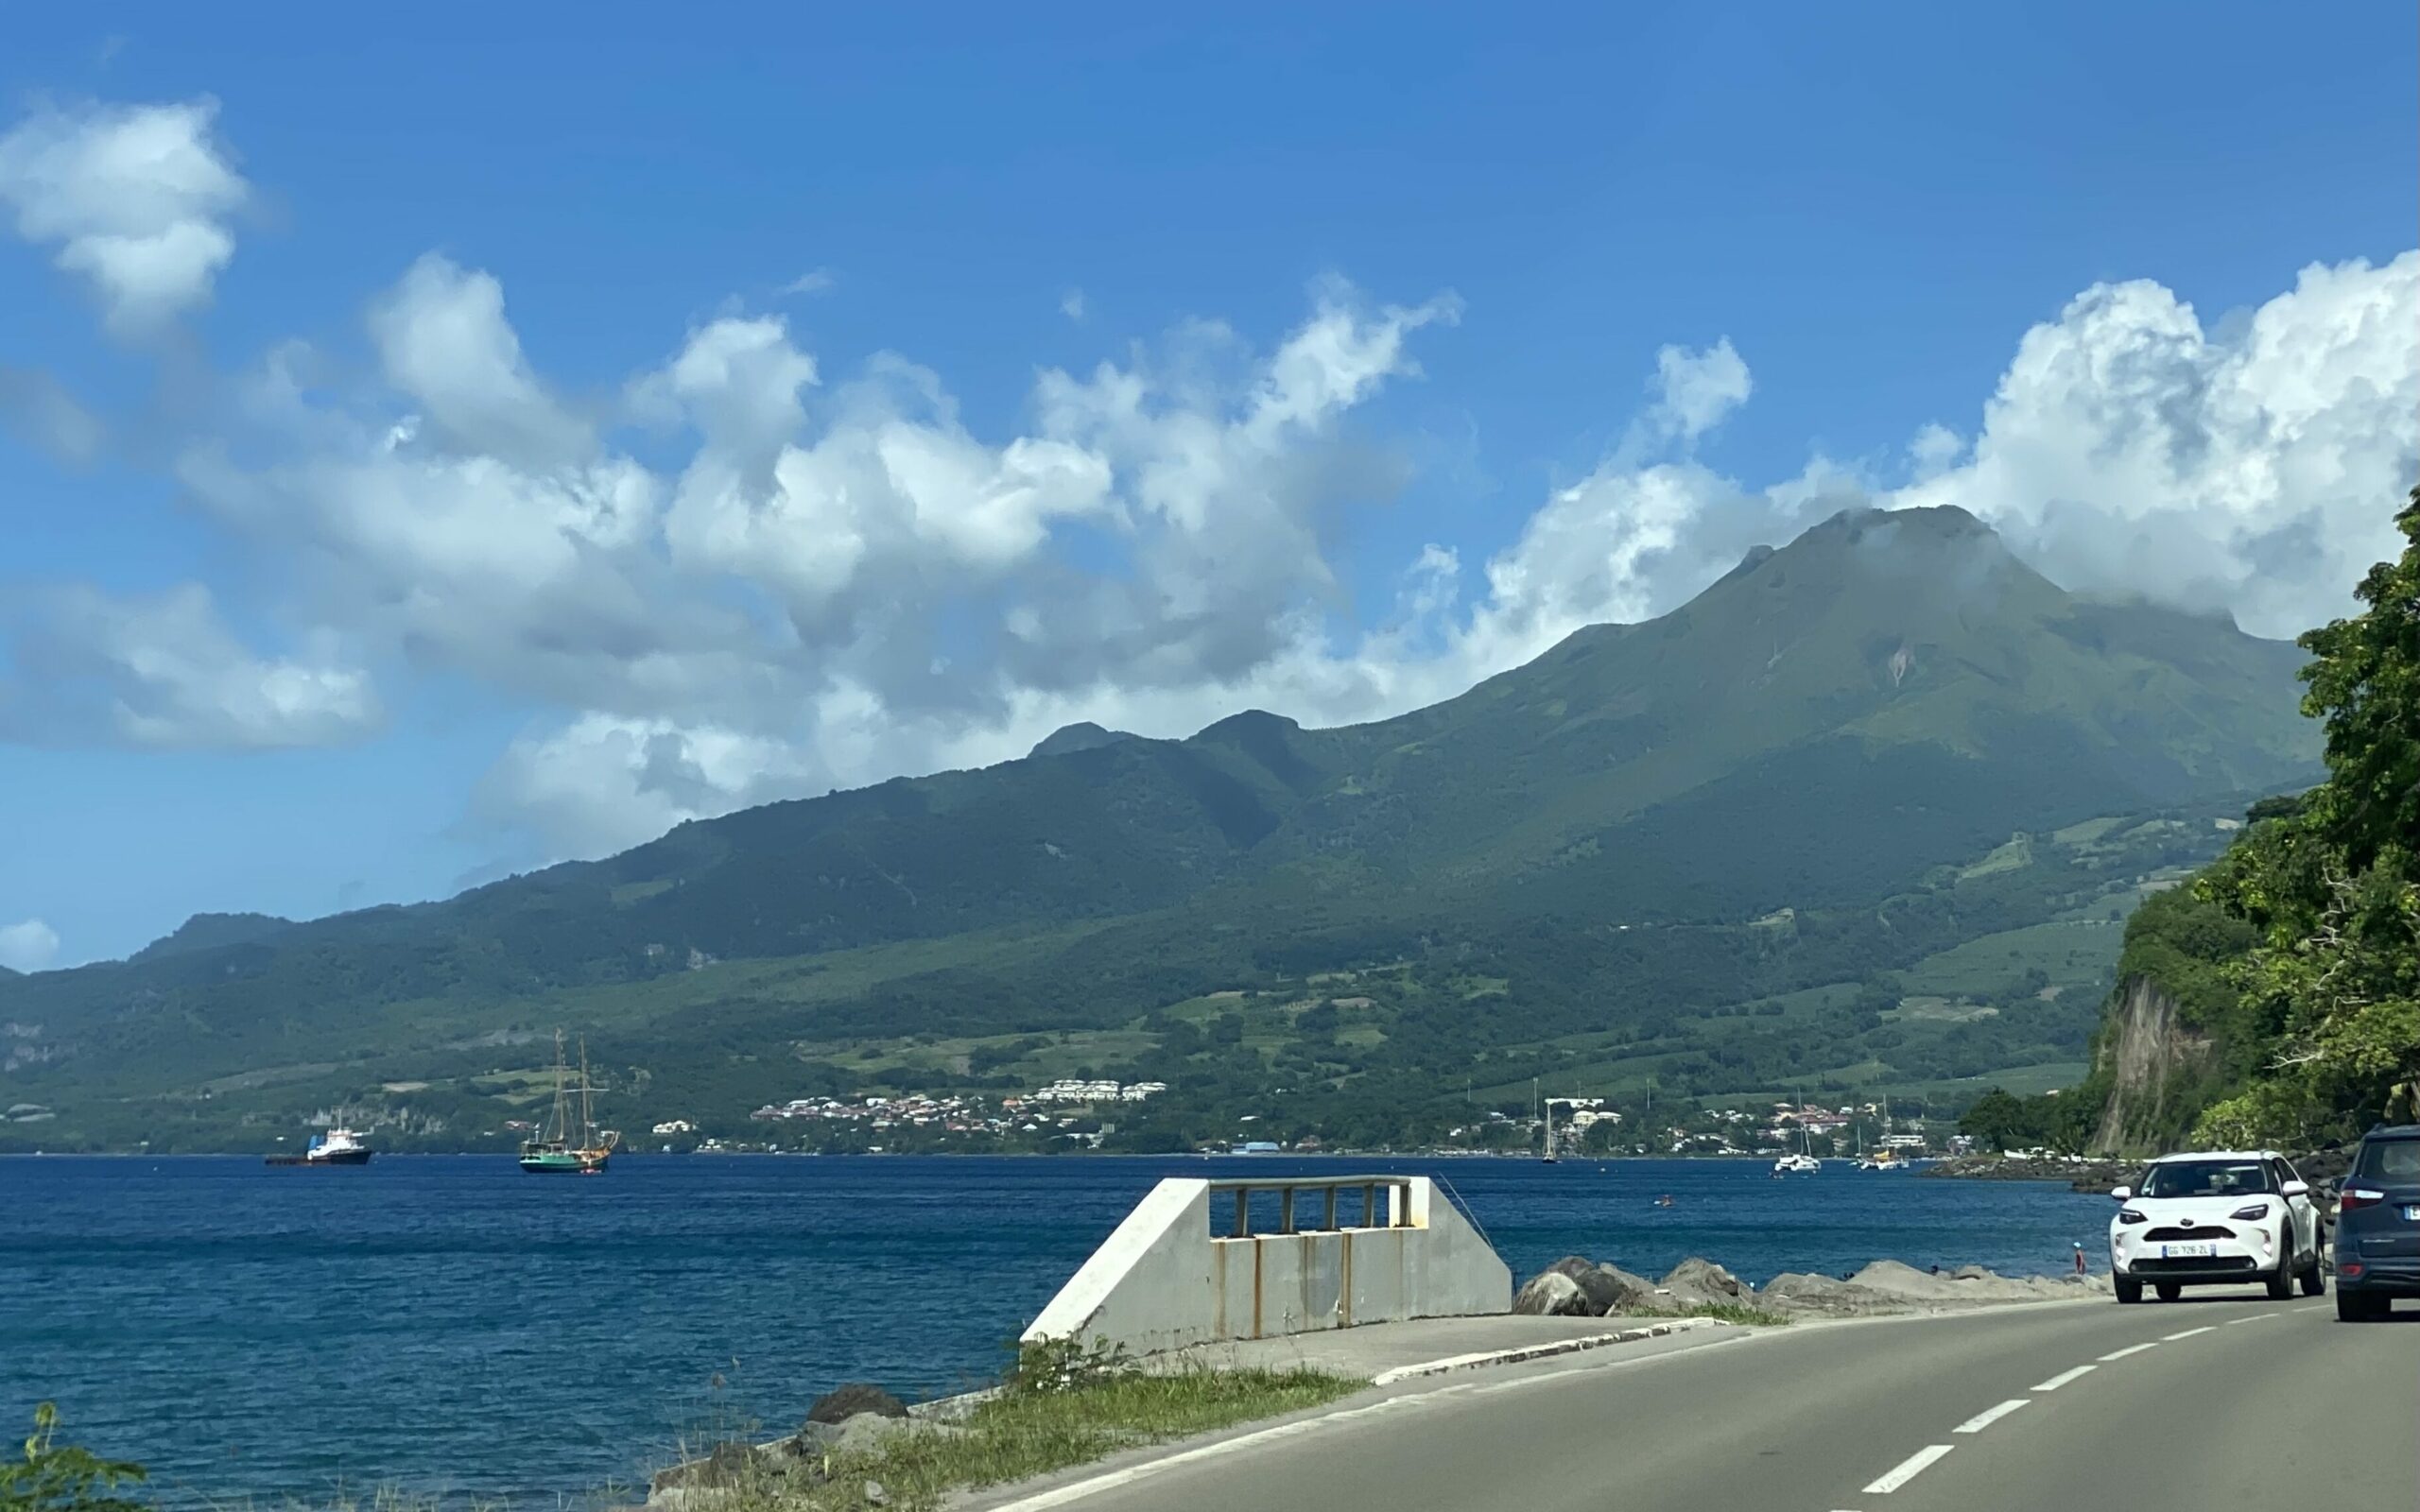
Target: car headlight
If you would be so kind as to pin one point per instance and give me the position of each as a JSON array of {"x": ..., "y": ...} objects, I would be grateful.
[
  {"x": 2130, "y": 1215},
  {"x": 2251, "y": 1211}
]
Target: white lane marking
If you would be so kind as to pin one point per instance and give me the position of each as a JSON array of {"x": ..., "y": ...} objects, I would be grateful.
[
  {"x": 2254, "y": 1318},
  {"x": 2313, "y": 1308},
  {"x": 1909, "y": 1469},
  {"x": 2189, "y": 1334},
  {"x": 1989, "y": 1415},
  {"x": 2131, "y": 1349},
  {"x": 2065, "y": 1376}
]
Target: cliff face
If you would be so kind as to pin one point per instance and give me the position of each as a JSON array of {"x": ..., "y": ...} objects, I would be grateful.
[{"x": 2157, "y": 1066}]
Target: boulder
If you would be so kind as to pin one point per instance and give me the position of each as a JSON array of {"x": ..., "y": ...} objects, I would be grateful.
[
  {"x": 865, "y": 1434},
  {"x": 1615, "y": 1290},
  {"x": 1551, "y": 1294},
  {"x": 728, "y": 1465},
  {"x": 1574, "y": 1267},
  {"x": 1696, "y": 1283},
  {"x": 847, "y": 1401}
]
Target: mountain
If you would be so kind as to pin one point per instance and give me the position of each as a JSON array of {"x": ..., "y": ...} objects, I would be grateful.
[
  {"x": 1082, "y": 735},
  {"x": 204, "y": 932},
  {"x": 1855, "y": 718}
]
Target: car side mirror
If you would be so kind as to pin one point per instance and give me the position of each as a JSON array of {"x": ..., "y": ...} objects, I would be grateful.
[
  {"x": 2296, "y": 1189},
  {"x": 2122, "y": 1194}
]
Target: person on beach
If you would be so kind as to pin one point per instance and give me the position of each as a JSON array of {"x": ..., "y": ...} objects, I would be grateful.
[{"x": 2079, "y": 1258}]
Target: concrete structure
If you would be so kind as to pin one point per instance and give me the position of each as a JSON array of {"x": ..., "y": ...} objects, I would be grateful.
[{"x": 1162, "y": 1281}]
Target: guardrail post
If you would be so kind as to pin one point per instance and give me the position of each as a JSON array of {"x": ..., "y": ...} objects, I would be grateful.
[
  {"x": 1370, "y": 1205},
  {"x": 1243, "y": 1212},
  {"x": 1328, "y": 1223},
  {"x": 1286, "y": 1212}
]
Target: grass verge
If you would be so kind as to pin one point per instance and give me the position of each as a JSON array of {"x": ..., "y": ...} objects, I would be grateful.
[
  {"x": 1741, "y": 1314},
  {"x": 1030, "y": 1428}
]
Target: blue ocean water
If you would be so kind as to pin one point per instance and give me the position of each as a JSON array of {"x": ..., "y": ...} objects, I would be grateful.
[{"x": 452, "y": 1325}]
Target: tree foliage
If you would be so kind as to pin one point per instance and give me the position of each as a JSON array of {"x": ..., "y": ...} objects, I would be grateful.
[
  {"x": 2332, "y": 885},
  {"x": 55, "y": 1477}
]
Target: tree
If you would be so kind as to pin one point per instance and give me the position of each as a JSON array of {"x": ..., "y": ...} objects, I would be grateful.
[{"x": 2332, "y": 884}]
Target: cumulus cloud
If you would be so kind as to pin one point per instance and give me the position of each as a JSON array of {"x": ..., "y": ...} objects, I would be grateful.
[
  {"x": 443, "y": 340},
  {"x": 135, "y": 198},
  {"x": 814, "y": 281},
  {"x": 2250, "y": 469},
  {"x": 165, "y": 671},
  {"x": 1695, "y": 389},
  {"x": 28, "y": 945}
]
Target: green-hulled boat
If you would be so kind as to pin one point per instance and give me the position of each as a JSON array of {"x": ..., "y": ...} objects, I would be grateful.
[{"x": 564, "y": 1147}]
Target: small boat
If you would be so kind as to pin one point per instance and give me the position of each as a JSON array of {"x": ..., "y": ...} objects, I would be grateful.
[
  {"x": 1797, "y": 1165},
  {"x": 562, "y": 1147},
  {"x": 337, "y": 1146}
]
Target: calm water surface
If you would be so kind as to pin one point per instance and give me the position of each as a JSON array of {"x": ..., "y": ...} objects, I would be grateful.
[{"x": 453, "y": 1325}]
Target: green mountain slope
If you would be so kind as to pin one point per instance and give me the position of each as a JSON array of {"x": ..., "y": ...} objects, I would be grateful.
[{"x": 1826, "y": 728}]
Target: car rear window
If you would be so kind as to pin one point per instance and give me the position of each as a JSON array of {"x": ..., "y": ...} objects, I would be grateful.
[
  {"x": 2389, "y": 1160},
  {"x": 2205, "y": 1178}
]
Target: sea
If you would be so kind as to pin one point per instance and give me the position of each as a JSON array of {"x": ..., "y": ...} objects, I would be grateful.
[{"x": 449, "y": 1326}]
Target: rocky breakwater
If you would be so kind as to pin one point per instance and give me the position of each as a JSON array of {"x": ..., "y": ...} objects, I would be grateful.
[{"x": 1578, "y": 1287}]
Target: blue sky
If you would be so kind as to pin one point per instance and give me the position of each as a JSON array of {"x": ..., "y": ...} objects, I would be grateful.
[{"x": 435, "y": 449}]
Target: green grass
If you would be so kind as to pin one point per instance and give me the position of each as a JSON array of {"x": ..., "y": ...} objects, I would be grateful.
[
  {"x": 1025, "y": 1432},
  {"x": 1740, "y": 1314}
]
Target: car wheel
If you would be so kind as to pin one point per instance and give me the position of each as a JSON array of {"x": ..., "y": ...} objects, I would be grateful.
[
  {"x": 2128, "y": 1289},
  {"x": 2314, "y": 1282},
  {"x": 2170, "y": 1291},
  {"x": 2281, "y": 1282}
]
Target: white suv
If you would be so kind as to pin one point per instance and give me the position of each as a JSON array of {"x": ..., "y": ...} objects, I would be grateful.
[{"x": 2215, "y": 1218}]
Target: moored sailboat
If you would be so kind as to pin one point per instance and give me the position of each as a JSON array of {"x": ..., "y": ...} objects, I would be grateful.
[{"x": 563, "y": 1147}]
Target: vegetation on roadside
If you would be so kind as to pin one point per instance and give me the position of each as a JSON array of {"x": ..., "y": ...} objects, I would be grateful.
[
  {"x": 1060, "y": 1406},
  {"x": 49, "y": 1476},
  {"x": 1742, "y": 1314}
]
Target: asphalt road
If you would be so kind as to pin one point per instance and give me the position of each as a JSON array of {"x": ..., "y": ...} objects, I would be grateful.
[{"x": 2224, "y": 1400}]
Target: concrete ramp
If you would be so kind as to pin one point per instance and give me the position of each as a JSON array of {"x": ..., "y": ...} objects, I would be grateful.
[{"x": 1163, "y": 1281}]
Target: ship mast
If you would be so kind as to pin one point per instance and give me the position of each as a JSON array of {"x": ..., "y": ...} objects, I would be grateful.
[
  {"x": 587, "y": 1114},
  {"x": 563, "y": 1106}
]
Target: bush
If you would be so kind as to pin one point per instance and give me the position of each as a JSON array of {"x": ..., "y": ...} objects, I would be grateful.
[{"x": 55, "y": 1477}]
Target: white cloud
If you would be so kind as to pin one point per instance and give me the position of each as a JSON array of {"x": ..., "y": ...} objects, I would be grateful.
[
  {"x": 28, "y": 945},
  {"x": 443, "y": 340},
  {"x": 814, "y": 281},
  {"x": 165, "y": 671},
  {"x": 601, "y": 784},
  {"x": 135, "y": 198},
  {"x": 2253, "y": 468},
  {"x": 1695, "y": 391},
  {"x": 1071, "y": 304}
]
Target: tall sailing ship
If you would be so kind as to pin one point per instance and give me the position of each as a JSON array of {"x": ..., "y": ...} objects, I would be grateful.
[{"x": 564, "y": 1146}]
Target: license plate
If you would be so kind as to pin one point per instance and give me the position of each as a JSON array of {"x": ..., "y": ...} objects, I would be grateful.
[
  {"x": 2411, "y": 1214},
  {"x": 2187, "y": 1251}
]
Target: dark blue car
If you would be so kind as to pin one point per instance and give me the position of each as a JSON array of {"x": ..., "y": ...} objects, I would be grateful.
[{"x": 2378, "y": 1226}]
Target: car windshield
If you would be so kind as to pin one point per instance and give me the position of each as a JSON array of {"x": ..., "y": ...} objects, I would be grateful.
[
  {"x": 2205, "y": 1178},
  {"x": 2391, "y": 1160}
]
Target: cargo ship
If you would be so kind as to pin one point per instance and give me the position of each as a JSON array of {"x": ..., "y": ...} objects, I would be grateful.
[{"x": 337, "y": 1146}]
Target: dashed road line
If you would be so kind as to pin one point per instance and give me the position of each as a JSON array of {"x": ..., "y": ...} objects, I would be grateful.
[
  {"x": 2315, "y": 1307},
  {"x": 1909, "y": 1469},
  {"x": 2131, "y": 1349},
  {"x": 2254, "y": 1318},
  {"x": 2206, "y": 1327},
  {"x": 2065, "y": 1376},
  {"x": 1989, "y": 1415}
]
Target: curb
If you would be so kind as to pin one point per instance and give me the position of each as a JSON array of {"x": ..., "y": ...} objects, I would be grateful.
[{"x": 1537, "y": 1351}]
